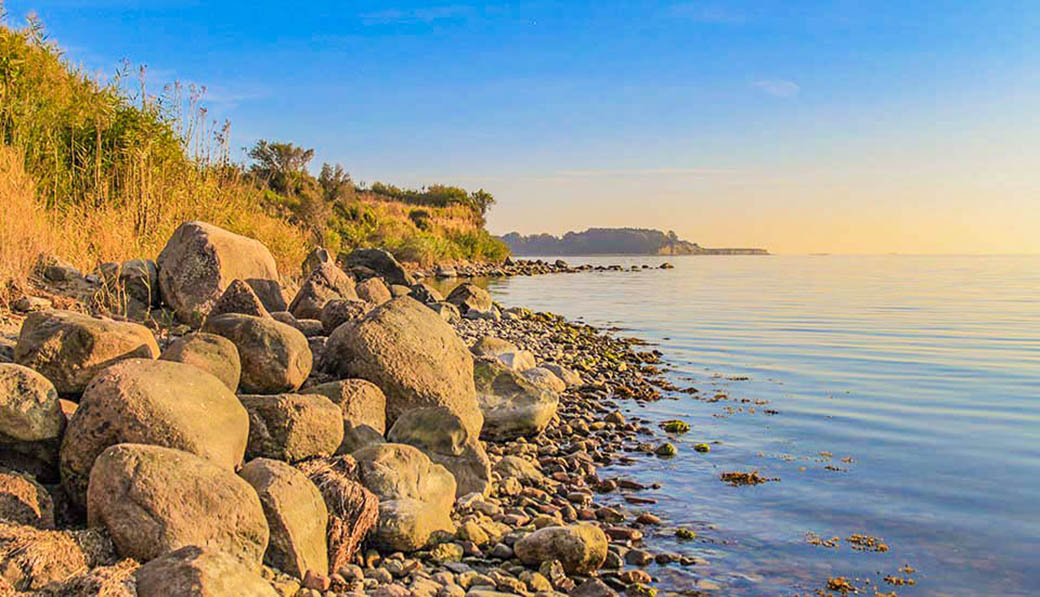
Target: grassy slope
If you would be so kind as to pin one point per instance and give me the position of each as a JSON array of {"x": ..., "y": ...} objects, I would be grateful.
[{"x": 91, "y": 174}]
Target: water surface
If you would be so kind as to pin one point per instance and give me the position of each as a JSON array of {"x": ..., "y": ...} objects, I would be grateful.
[{"x": 897, "y": 397}]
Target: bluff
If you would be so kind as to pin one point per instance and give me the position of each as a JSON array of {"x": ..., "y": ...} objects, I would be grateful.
[{"x": 614, "y": 241}]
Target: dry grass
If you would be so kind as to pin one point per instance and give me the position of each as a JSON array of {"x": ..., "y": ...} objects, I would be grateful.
[
  {"x": 32, "y": 558},
  {"x": 353, "y": 510},
  {"x": 25, "y": 231}
]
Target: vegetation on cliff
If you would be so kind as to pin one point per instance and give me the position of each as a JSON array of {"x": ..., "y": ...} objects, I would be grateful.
[
  {"x": 616, "y": 241},
  {"x": 95, "y": 171}
]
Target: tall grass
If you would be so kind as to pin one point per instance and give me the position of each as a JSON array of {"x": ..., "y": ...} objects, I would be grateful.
[{"x": 96, "y": 171}]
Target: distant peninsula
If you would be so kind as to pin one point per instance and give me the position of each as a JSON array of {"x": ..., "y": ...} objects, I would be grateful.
[{"x": 614, "y": 241}]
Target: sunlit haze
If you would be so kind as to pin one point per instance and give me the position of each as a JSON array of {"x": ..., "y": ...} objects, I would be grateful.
[{"x": 844, "y": 127}]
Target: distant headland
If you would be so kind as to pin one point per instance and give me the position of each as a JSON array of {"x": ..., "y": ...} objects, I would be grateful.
[{"x": 614, "y": 241}]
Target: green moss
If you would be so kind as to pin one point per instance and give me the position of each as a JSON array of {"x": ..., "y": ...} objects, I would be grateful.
[
  {"x": 685, "y": 534},
  {"x": 675, "y": 426}
]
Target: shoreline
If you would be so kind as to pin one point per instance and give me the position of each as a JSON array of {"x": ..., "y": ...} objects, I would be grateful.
[{"x": 541, "y": 480}]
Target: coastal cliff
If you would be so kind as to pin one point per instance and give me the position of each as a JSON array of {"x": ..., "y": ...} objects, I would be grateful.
[{"x": 615, "y": 241}]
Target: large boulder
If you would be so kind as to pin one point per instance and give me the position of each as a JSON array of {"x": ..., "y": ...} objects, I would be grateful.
[
  {"x": 412, "y": 354},
  {"x": 381, "y": 262},
  {"x": 363, "y": 408},
  {"x": 199, "y": 572},
  {"x": 70, "y": 348},
  {"x": 374, "y": 291},
  {"x": 512, "y": 405},
  {"x": 156, "y": 500},
  {"x": 470, "y": 297},
  {"x": 275, "y": 357},
  {"x": 441, "y": 435},
  {"x": 353, "y": 510},
  {"x": 416, "y": 496},
  {"x": 325, "y": 283},
  {"x": 292, "y": 427},
  {"x": 211, "y": 353},
  {"x": 29, "y": 409},
  {"x": 581, "y": 548},
  {"x": 162, "y": 403},
  {"x": 296, "y": 515},
  {"x": 200, "y": 260}
]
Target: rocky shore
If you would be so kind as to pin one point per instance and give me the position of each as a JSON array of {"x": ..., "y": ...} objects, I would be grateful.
[
  {"x": 525, "y": 267},
  {"x": 186, "y": 429}
]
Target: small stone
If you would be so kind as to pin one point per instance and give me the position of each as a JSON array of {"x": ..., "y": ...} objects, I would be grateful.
[
  {"x": 631, "y": 577},
  {"x": 702, "y": 448},
  {"x": 665, "y": 450},
  {"x": 685, "y": 534},
  {"x": 675, "y": 426},
  {"x": 638, "y": 557}
]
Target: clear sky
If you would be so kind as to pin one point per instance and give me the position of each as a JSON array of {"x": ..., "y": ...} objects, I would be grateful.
[{"x": 846, "y": 126}]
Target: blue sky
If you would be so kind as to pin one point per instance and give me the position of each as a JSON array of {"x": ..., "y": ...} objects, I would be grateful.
[{"x": 801, "y": 126}]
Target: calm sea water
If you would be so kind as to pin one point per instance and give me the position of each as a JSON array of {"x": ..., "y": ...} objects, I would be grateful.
[{"x": 896, "y": 397}]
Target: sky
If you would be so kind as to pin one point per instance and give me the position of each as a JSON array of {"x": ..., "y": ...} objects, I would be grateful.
[{"x": 840, "y": 127}]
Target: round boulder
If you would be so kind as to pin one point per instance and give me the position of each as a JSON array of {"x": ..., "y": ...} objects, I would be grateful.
[
  {"x": 200, "y": 260},
  {"x": 70, "y": 348},
  {"x": 29, "y": 408},
  {"x": 296, "y": 515},
  {"x": 363, "y": 407},
  {"x": 512, "y": 405},
  {"x": 339, "y": 311},
  {"x": 416, "y": 496},
  {"x": 211, "y": 353},
  {"x": 199, "y": 571},
  {"x": 161, "y": 403},
  {"x": 440, "y": 434},
  {"x": 275, "y": 357},
  {"x": 413, "y": 355},
  {"x": 155, "y": 500},
  {"x": 292, "y": 427},
  {"x": 374, "y": 291},
  {"x": 581, "y": 548}
]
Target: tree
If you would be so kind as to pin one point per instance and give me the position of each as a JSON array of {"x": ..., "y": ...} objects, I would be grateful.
[
  {"x": 335, "y": 183},
  {"x": 281, "y": 166}
]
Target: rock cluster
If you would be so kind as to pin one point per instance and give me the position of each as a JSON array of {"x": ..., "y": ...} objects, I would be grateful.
[{"x": 367, "y": 436}]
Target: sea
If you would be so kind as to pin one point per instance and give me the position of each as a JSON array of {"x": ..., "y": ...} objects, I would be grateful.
[{"x": 892, "y": 402}]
